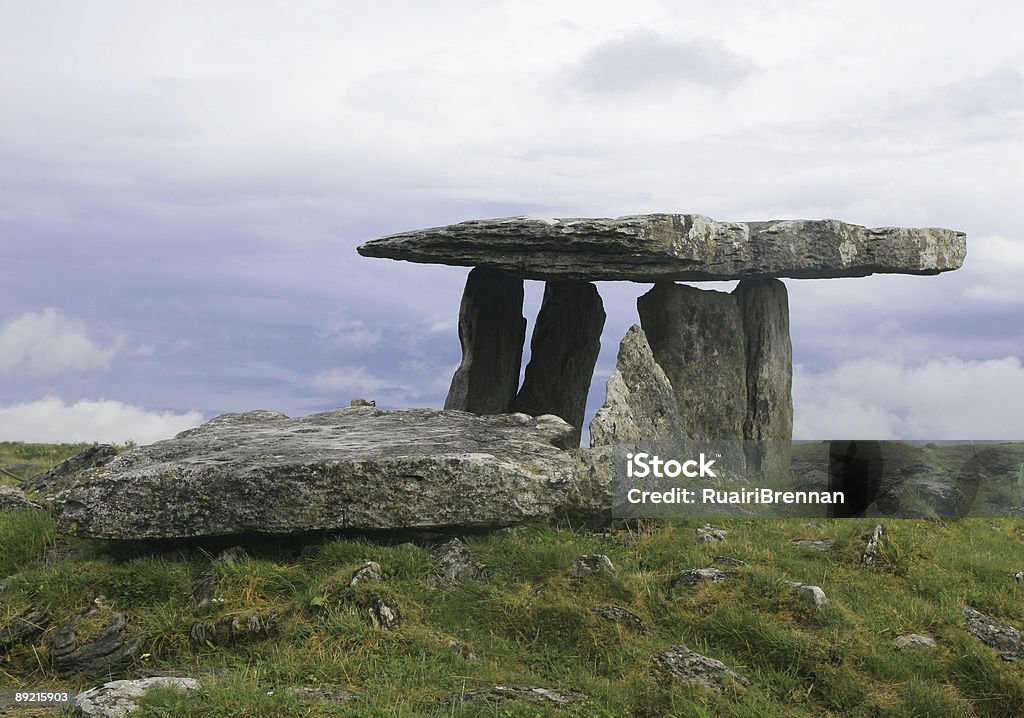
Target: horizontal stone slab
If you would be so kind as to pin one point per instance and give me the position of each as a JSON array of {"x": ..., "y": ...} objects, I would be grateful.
[
  {"x": 686, "y": 247},
  {"x": 353, "y": 468}
]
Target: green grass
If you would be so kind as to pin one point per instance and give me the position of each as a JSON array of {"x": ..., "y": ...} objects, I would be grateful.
[{"x": 531, "y": 623}]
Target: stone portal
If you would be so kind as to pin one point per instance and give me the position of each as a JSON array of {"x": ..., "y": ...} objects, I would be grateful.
[{"x": 720, "y": 363}]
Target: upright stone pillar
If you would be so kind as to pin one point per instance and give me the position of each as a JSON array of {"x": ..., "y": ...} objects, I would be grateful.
[
  {"x": 764, "y": 306},
  {"x": 492, "y": 331},
  {"x": 698, "y": 339},
  {"x": 563, "y": 351}
]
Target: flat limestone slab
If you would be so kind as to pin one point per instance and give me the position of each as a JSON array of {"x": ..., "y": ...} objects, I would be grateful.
[
  {"x": 687, "y": 247},
  {"x": 353, "y": 468}
]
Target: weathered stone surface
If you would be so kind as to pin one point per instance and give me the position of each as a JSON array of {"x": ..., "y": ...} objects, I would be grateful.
[
  {"x": 357, "y": 467},
  {"x": 64, "y": 473},
  {"x": 381, "y": 612},
  {"x": 640, "y": 404},
  {"x": 870, "y": 553},
  {"x": 915, "y": 641},
  {"x": 111, "y": 649},
  {"x": 14, "y": 498},
  {"x": 25, "y": 627},
  {"x": 698, "y": 339},
  {"x": 531, "y": 694},
  {"x": 686, "y": 247},
  {"x": 370, "y": 572},
  {"x": 591, "y": 563},
  {"x": 924, "y": 498},
  {"x": 708, "y": 533},
  {"x": 813, "y": 596},
  {"x": 764, "y": 309},
  {"x": 117, "y": 699},
  {"x": 455, "y": 563},
  {"x": 563, "y": 351},
  {"x": 492, "y": 331},
  {"x": 691, "y": 667},
  {"x": 234, "y": 628},
  {"x": 822, "y": 545},
  {"x": 1001, "y": 636},
  {"x": 695, "y": 576},
  {"x": 729, "y": 561},
  {"x": 623, "y": 617}
]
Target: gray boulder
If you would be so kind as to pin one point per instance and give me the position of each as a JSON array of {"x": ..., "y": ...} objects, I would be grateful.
[
  {"x": 14, "y": 498},
  {"x": 689, "y": 666},
  {"x": 639, "y": 404},
  {"x": 351, "y": 468},
  {"x": 22, "y": 628},
  {"x": 591, "y": 563},
  {"x": 455, "y": 563},
  {"x": 994, "y": 633},
  {"x": 915, "y": 641},
  {"x": 623, "y": 617},
  {"x": 684, "y": 247},
  {"x": 117, "y": 699}
]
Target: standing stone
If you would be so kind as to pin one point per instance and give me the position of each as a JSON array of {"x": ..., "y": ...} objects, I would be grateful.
[
  {"x": 563, "y": 351},
  {"x": 492, "y": 330},
  {"x": 698, "y": 339},
  {"x": 639, "y": 404},
  {"x": 764, "y": 306}
]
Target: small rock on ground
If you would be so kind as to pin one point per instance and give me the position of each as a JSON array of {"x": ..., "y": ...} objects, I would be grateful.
[
  {"x": 813, "y": 596},
  {"x": 915, "y": 640},
  {"x": 623, "y": 617},
  {"x": 455, "y": 563},
  {"x": 370, "y": 572},
  {"x": 119, "y": 698},
  {"x": 822, "y": 545},
  {"x": 691, "y": 667},
  {"x": 532, "y": 694},
  {"x": 111, "y": 649},
  {"x": 708, "y": 533},
  {"x": 591, "y": 563},
  {"x": 1001, "y": 636},
  {"x": 695, "y": 576}
]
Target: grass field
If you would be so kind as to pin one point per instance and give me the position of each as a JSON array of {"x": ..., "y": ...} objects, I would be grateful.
[{"x": 531, "y": 623}]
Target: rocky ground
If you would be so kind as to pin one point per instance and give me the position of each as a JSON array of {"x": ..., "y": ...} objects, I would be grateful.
[{"x": 741, "y": 618}]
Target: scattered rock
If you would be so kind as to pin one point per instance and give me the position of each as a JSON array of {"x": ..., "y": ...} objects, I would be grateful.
[
  {"x": 382, "y": 612},
  {"x": 23, "y": 628},
  {"x": 460, "y": 647},
  {"x": 916, "y": 641},
  {"x": 531, "y": 694},
  {"x": 234, "y": 628},
  {"x": 691, "y": 667},
  {"x": 822, "y": 545},
  {"x": 362, "y": 402},
  {"x": 639, "y": 404},
  {"x": 1019, "y": 577},
  {"x": 563, "y": 351},
  {"x": 684, "y": 247},
  {"x": 64, "y": 473},
  {"x": 119, "y": 698},
  {"x": 708, "y": 533},
  {"x": 355, "y": 468},
  {"x": 492, "y": 331},
  {"x": 623, "y": 617},
  {"x": 690, "y": 578},
  {"x": 870, "y": 554},
  {"x": 455, "y": 563},
  {"x": 1001, "y": 636},
  {"x": 591, "y": 563},
  {"x": 370, "y": 572},
  {"x": 111, "y": 649},
  {"x": 325, "y": 694},
  {"x": 813, "y": 596},
  {"x": 729, "y": 561},
  {"x": 14, "y": 498}
]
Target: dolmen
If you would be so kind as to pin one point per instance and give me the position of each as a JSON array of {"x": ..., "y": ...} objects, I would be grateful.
[
  {"x": 726, "y": 356},
  {"x": 700, "y": 364}
]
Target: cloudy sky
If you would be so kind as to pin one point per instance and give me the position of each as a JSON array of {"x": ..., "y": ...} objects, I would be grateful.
[{"x": 183, "y": 185}]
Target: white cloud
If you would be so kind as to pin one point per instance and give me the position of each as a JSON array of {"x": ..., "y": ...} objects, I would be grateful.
[
  {"x": 47, "y": 342},
  {"x": 50, "y": 420},
  {"x": 948, "y": 398},
  {"x": 355, "y": 380},
  {"x": 351, "y": 334}
]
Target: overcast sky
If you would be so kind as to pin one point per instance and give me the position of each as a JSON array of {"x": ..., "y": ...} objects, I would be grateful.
[{"x": 183, "y": 185}]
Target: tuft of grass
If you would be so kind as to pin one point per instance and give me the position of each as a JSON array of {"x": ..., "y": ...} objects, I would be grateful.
[{"x": 24, "y": 534}]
